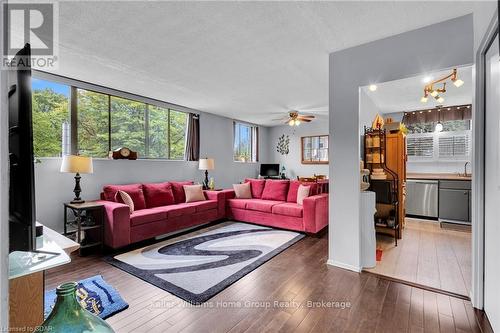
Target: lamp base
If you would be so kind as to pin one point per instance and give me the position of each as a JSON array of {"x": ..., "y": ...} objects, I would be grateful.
[{"x": 79, "y": 201}]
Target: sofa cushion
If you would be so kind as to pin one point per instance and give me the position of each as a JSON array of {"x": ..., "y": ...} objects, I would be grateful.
[
  {"x": 265, "y": 206},
  {"x": 256, "y": 187},
  {"x": 288, "y": 209},
  {"x": 134, "y": 190},
  {"x": 292, "y": 191},
  {"x": 242, "y": 191},
  {"x": 146, "y": 216},
  {"x": 194, "y": 193},
  {"x": 124, "y": 198},
  {"x": 238, "y": 203},
  {"x": 275, "y": 190},
  {"x": 202, "y": 206},
  {"x": 303, "y": 193},
  {"x": 178, "y": 190},
  {"x": 158, "y": 194},
  {"x": 176, "y": 210}
]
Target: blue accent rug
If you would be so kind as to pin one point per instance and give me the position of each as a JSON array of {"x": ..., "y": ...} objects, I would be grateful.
[{"x": 95, "y": 295}]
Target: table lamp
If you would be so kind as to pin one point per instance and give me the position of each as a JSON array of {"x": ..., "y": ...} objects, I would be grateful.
[
  {"x": 78, "y": 165},
  {"x": 206, "y": 164}
]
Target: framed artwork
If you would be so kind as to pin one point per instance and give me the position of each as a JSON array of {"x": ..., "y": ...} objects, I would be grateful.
[{"x": 314, "y": 149}]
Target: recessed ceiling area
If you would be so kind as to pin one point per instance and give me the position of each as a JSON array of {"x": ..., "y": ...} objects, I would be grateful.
[
  {"x": 405, "y": 94},
  {"x": 252, "y": 61}
]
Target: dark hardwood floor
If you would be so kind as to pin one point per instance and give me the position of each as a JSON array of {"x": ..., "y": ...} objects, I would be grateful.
[{"x": 296, "y": 278}]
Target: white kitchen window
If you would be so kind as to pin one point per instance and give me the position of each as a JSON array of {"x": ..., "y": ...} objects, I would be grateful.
[{"x": 443, "y": 146}]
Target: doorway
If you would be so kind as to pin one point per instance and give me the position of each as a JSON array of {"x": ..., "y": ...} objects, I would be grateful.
[{"x": 429, "y": 148}]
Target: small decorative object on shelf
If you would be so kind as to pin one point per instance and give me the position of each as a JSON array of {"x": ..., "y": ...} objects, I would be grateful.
[
  {"x": 211, "y": 184},
  {"x": 69, "y": 316},
  {"x": 124, "y": 153},
  {"x": 283, "y": 172},
  {"x": 87, "y": 226}
]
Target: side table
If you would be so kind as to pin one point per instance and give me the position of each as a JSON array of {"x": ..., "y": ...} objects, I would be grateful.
[{"x": 87, "y": 225}]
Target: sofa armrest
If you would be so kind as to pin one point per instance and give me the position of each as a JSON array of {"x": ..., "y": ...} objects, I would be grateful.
[
  {"x": 221, "y": 202},
  {"x": 315, "y": 213},
  {"x": 117, "y": 224},
  {"x": 229, "y": 193}
]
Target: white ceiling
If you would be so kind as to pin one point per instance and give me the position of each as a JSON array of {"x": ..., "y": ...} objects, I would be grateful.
[
  {"x": 246, "y": 60},
  {"x": 404, "y": 95}
]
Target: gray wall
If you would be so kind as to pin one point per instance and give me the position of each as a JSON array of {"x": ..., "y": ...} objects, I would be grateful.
[
  {"x": 292, "y": 161},
  {"x": 367, "y": 111},
  {"x": 396, "y": 57},
  {"x": 216, "y": 137}
]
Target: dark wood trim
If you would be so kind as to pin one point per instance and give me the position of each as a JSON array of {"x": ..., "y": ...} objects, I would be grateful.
[
  {"x": 420, "y": 286},
  {"x": 302, "y": 149}
]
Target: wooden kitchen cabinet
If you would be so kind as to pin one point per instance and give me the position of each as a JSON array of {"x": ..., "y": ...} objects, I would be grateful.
[{"x": 396, "y": 158}]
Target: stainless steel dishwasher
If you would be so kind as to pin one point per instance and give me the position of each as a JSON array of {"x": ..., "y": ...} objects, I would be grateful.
[{"x": 422, "y": 197}]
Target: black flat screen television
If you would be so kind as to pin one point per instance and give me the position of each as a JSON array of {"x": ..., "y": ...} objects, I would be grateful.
[
  {"x": 22, "y": 184},
  {"x": 269, "y": 170}
]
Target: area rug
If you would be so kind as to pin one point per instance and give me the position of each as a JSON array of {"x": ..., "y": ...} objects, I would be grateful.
[
  {"x": 198, "y": 265},
  {"x": 95, "y": 295}
]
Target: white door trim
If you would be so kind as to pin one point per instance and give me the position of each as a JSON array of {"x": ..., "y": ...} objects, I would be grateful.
[{"x": 477, "y": 290}]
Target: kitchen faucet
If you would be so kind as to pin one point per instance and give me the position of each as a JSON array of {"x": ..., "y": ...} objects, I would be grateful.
[{"x": 465, "y": 169}]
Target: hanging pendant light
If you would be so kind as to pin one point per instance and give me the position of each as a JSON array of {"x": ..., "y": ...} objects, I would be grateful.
[{"x": 439, "y": 127}]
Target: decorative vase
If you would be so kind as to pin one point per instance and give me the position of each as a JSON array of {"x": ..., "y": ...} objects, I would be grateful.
[
  {"x": 69, "y": 316},
  {"x": 211, "y": 183}
]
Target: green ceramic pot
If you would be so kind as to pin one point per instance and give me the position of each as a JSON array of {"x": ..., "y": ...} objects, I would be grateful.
[{"x": 68, "y": 316}]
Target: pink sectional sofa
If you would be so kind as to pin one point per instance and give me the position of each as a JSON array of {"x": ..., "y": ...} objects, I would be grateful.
[
  {"x": 159, "y": 209},
  {"x": 274, "y": 204}
]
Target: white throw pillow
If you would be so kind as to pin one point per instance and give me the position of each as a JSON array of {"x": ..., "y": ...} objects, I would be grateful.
[
  {"x": 126, "y": 199},
  {"x": 242, "y": 191},
  {"x": 193, "y": 193},
  {"x": 302, "y": 193}
]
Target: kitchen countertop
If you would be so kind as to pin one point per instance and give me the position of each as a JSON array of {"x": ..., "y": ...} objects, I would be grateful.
[{"x": 438, "y": 176}]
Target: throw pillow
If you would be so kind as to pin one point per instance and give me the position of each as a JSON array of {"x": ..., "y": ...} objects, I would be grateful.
[
  {"x": 302, "y": 193},
  {"x": 194, "y": 193},
  {"x": 123, "y": 197},
  {"x": 178, "y": 190},
  {"x": 292, "y": 191},
  {"x": 256, "y": 186},
  {"x": 275, "y": 190},
  {"x": 242, "y": 191},
  {"x": 133, "y": 190},
  {"x": 158, "y": 194}
]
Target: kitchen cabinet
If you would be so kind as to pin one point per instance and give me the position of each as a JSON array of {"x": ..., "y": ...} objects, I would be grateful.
[{"x": 455, "y": 201}]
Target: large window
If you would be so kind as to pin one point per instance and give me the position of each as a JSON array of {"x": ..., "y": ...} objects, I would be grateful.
[
  {"x": 453, "y": 143},
  {"x": 93, "y": 123},
  {"x": 102, "y": 123},
  {"x": 50, "y": 104},
  {"x": 245, "y": 147}
]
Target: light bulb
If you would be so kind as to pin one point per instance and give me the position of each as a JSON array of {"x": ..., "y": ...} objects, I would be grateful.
[
  {"x": 424, "y": 99},
  {"x": 434, "y": 93},
  {"x": 440, "y": 99},
  {"x": 439, "y": 127},
  {"x": 297, "y": 122},
  {"x": 372, "y": 87},
  {"x": 291, "y": 122},
  {"x": 458, "y": 83}
]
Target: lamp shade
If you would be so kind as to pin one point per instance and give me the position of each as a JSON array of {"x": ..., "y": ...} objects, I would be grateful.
[
  {"x": 206, "y": 164},
  {"x": 77, "y": 164}
]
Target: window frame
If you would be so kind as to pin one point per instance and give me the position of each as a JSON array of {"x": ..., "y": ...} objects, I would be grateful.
[
  {"x": 254, "y": 141},
  {"x": 311, "y": 137},
  {"x": 74, "y": 85}
]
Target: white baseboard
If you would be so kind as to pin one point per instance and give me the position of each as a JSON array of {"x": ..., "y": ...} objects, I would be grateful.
[{"x": 343, "y": 266}]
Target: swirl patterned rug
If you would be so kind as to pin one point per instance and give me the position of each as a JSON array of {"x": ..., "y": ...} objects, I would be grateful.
[{"x": 199, "y": 265}]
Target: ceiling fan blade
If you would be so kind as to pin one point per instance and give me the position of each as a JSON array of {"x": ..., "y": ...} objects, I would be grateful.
[
  {"x": 306, "y": 120},
  {"x": 309, "y": 117}
]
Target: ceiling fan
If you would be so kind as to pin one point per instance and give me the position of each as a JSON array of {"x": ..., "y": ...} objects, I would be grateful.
[{"x": 294, "y": 118}]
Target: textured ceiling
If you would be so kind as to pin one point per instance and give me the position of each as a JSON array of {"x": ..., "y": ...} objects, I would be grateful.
[
  {"x": 405, "y": 94},
  {"x": 251, "y": 61}
]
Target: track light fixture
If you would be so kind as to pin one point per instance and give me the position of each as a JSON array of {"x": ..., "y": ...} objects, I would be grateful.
[{"x": 434, "y": 92}]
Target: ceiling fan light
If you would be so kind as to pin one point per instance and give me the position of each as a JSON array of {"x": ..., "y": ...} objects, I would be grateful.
[
  {"x": 291, "y": 122},
  {"x": 439, "y": 127},
  {"x": 434, "y": 93},
  {"x": 424, "y": 99},
  {"x": 297, "y": 122},
  {"x": 458, "y": 83},
  {"x": 440, "y": 99}
]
